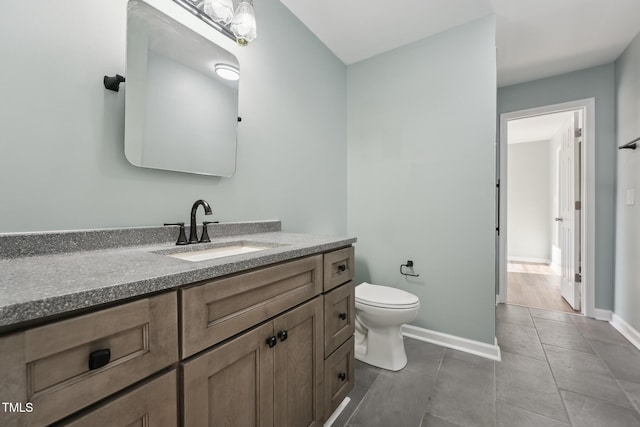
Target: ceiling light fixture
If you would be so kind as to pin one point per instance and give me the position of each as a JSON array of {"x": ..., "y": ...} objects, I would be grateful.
[
  {"x": 238, "y": 25},
  {"x": 227, "y": 72}
]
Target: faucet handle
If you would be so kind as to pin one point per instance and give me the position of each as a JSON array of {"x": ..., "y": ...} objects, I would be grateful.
[
  {"x": 182, "y": 237},
  {"x": 205, "y": 233}
]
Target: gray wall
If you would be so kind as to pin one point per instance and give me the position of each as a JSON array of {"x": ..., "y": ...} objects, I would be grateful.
[
  {"x": 421, "y": 134},
  {"x": 529, "y": 201},
  {"x": 597, "y": 82},
  {"x": 627, "y": 278},
  {"x": 62, "y": 163}
]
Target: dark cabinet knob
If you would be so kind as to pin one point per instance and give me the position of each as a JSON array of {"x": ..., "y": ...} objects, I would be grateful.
[
  {"x": 342, "y": 268},
  {"x": 282, "y": 335},
  {"x": 342, "y": 376},
  {"x": 99, "y": 358},
  {"x": 342, "y": 316},
  {"x": 271, "y": 341}
]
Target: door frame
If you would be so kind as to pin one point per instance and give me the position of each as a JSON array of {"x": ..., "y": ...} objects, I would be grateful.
[{"x": 587, "y": 176}]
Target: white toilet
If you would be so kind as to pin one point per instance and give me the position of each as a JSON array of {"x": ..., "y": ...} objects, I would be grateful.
[{"x": 380, "y": 313}]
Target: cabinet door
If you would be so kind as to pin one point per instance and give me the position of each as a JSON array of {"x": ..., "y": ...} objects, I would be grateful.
[
  {"x": 152, "y": 404},
  {"x": 339, "y": 316},
  {"x": 299, "y": 366},
  {"x": 231, "y": 385}
]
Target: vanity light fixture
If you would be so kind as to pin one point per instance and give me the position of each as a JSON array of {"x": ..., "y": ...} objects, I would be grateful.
[
  {"x": 243, "y": 25},
  {"x": 227, "y": 72},
  {"x": 221, "y": 11},
  {"x": 238, "y": 25}
]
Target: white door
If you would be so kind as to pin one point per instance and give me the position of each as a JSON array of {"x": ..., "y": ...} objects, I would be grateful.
[{"x": 570, "y": 216}]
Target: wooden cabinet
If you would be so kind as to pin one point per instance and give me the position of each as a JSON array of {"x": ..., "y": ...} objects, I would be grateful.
[
  {"x": 271, "y": 347},
  {"x": 55, "y": 368},
  {"x": 269, "y": 376}
]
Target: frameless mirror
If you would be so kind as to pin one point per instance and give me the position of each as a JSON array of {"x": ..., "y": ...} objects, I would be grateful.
[{"x": 180, "y": 115}]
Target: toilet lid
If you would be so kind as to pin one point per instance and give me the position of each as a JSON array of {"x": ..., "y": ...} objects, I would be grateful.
[{"x": 384, "y": 296}]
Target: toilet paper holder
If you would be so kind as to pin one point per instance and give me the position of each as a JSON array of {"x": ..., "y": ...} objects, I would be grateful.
[{"x": 409, "y": 264}]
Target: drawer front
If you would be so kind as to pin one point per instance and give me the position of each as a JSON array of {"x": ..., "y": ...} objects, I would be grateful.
[
  {"x": 49, "y": 366},
  {"x": 339, "y": 316},
  {"x": 152, "y": 404},
  {"x": 222, "y": 308},
  {"x": 338, "y": 267},
  {"x": 338, "y": 376}
]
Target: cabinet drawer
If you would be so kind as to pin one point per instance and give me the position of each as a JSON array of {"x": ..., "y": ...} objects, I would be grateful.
[
  {"x": 338, "y": 376},
  {"x": 152, "y": 404},
  {"x": 222, "y": 308},
  {"x": 339, "y": 316},
  {"x": 338, "y": 267},
  {"x": 49, "y": 366}
]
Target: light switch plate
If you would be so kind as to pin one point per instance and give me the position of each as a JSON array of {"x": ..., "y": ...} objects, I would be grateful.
[{"x": 631, "y": 196}]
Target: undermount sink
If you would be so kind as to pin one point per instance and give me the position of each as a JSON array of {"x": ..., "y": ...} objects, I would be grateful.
[{"x": 219, "y": 251}]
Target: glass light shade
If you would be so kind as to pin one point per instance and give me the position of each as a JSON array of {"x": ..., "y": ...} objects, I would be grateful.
[
  {"x": 243, "y": 25},
  {"x": 221, "y": 11},
  {"x": 227, "y": 72}
]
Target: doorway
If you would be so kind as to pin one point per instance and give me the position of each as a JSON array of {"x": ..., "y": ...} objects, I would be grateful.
[{"x": 546, "y": 227}]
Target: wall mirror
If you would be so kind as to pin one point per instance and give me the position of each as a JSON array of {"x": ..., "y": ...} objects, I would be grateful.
[{"x": 180, "y": 114}]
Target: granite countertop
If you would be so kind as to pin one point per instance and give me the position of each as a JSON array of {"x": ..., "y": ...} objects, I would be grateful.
[{"x": 40, "y": 286}]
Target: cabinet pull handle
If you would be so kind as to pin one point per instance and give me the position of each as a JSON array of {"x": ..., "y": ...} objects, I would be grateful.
[
  {"x": 282, "y": 335},
  {"x": 342, "y": 268},
  {"x": 342, "y": 376},
  {"x": 99, "y": 358},
  {"x": 271, "y": 341},
  {"x": 342, "y": 316}
]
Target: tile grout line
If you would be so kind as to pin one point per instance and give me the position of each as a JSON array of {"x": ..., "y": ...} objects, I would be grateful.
[
  {"x": 624, "y": 391},
  {"x": 435, "y": 382},
  {"x": 553, "y": 375}
]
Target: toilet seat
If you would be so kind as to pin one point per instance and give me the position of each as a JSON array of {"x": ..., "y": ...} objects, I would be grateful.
[{"x": 385, "y": 297}]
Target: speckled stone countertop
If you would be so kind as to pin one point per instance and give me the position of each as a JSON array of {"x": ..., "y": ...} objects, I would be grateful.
[{"x": 40, "y": 286}]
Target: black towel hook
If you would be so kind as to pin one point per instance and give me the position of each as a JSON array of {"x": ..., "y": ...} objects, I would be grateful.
[
  {"x": 631, "y": 145},
  {"x": 409, "y": 264}
]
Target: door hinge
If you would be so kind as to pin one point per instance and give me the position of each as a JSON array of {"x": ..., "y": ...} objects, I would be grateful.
[
  {"x": 578, "y": 205},
  {"x": 578, "y": 278},
  {"x": 578, "y": 132}
]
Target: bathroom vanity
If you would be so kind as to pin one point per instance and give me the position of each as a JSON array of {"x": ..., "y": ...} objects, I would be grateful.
[{"x": 131, "y": 335}]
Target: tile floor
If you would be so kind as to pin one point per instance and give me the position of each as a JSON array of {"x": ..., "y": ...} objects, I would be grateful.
[{"x": 557, "y": 369}]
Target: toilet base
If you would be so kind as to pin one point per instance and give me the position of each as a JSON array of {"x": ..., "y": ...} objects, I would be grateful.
[{"x": 383, "y": 348}]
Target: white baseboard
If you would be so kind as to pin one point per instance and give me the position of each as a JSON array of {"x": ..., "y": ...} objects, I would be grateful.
[
  {"x": 337, "y": 412},
  {"x": 626, "y": 330},
  {"x": 601, "y": 314},
  {"x": 451, "y": 341},
  {"x": 526, "y": 259}
]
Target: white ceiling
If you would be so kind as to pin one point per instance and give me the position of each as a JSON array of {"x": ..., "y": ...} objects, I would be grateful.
[
  {"x": 538, "y": 128},
  {"x": 535, "y": 38}
]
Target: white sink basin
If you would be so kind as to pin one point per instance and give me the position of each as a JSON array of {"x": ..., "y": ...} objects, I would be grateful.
[{"x": 218, "y": 252}]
